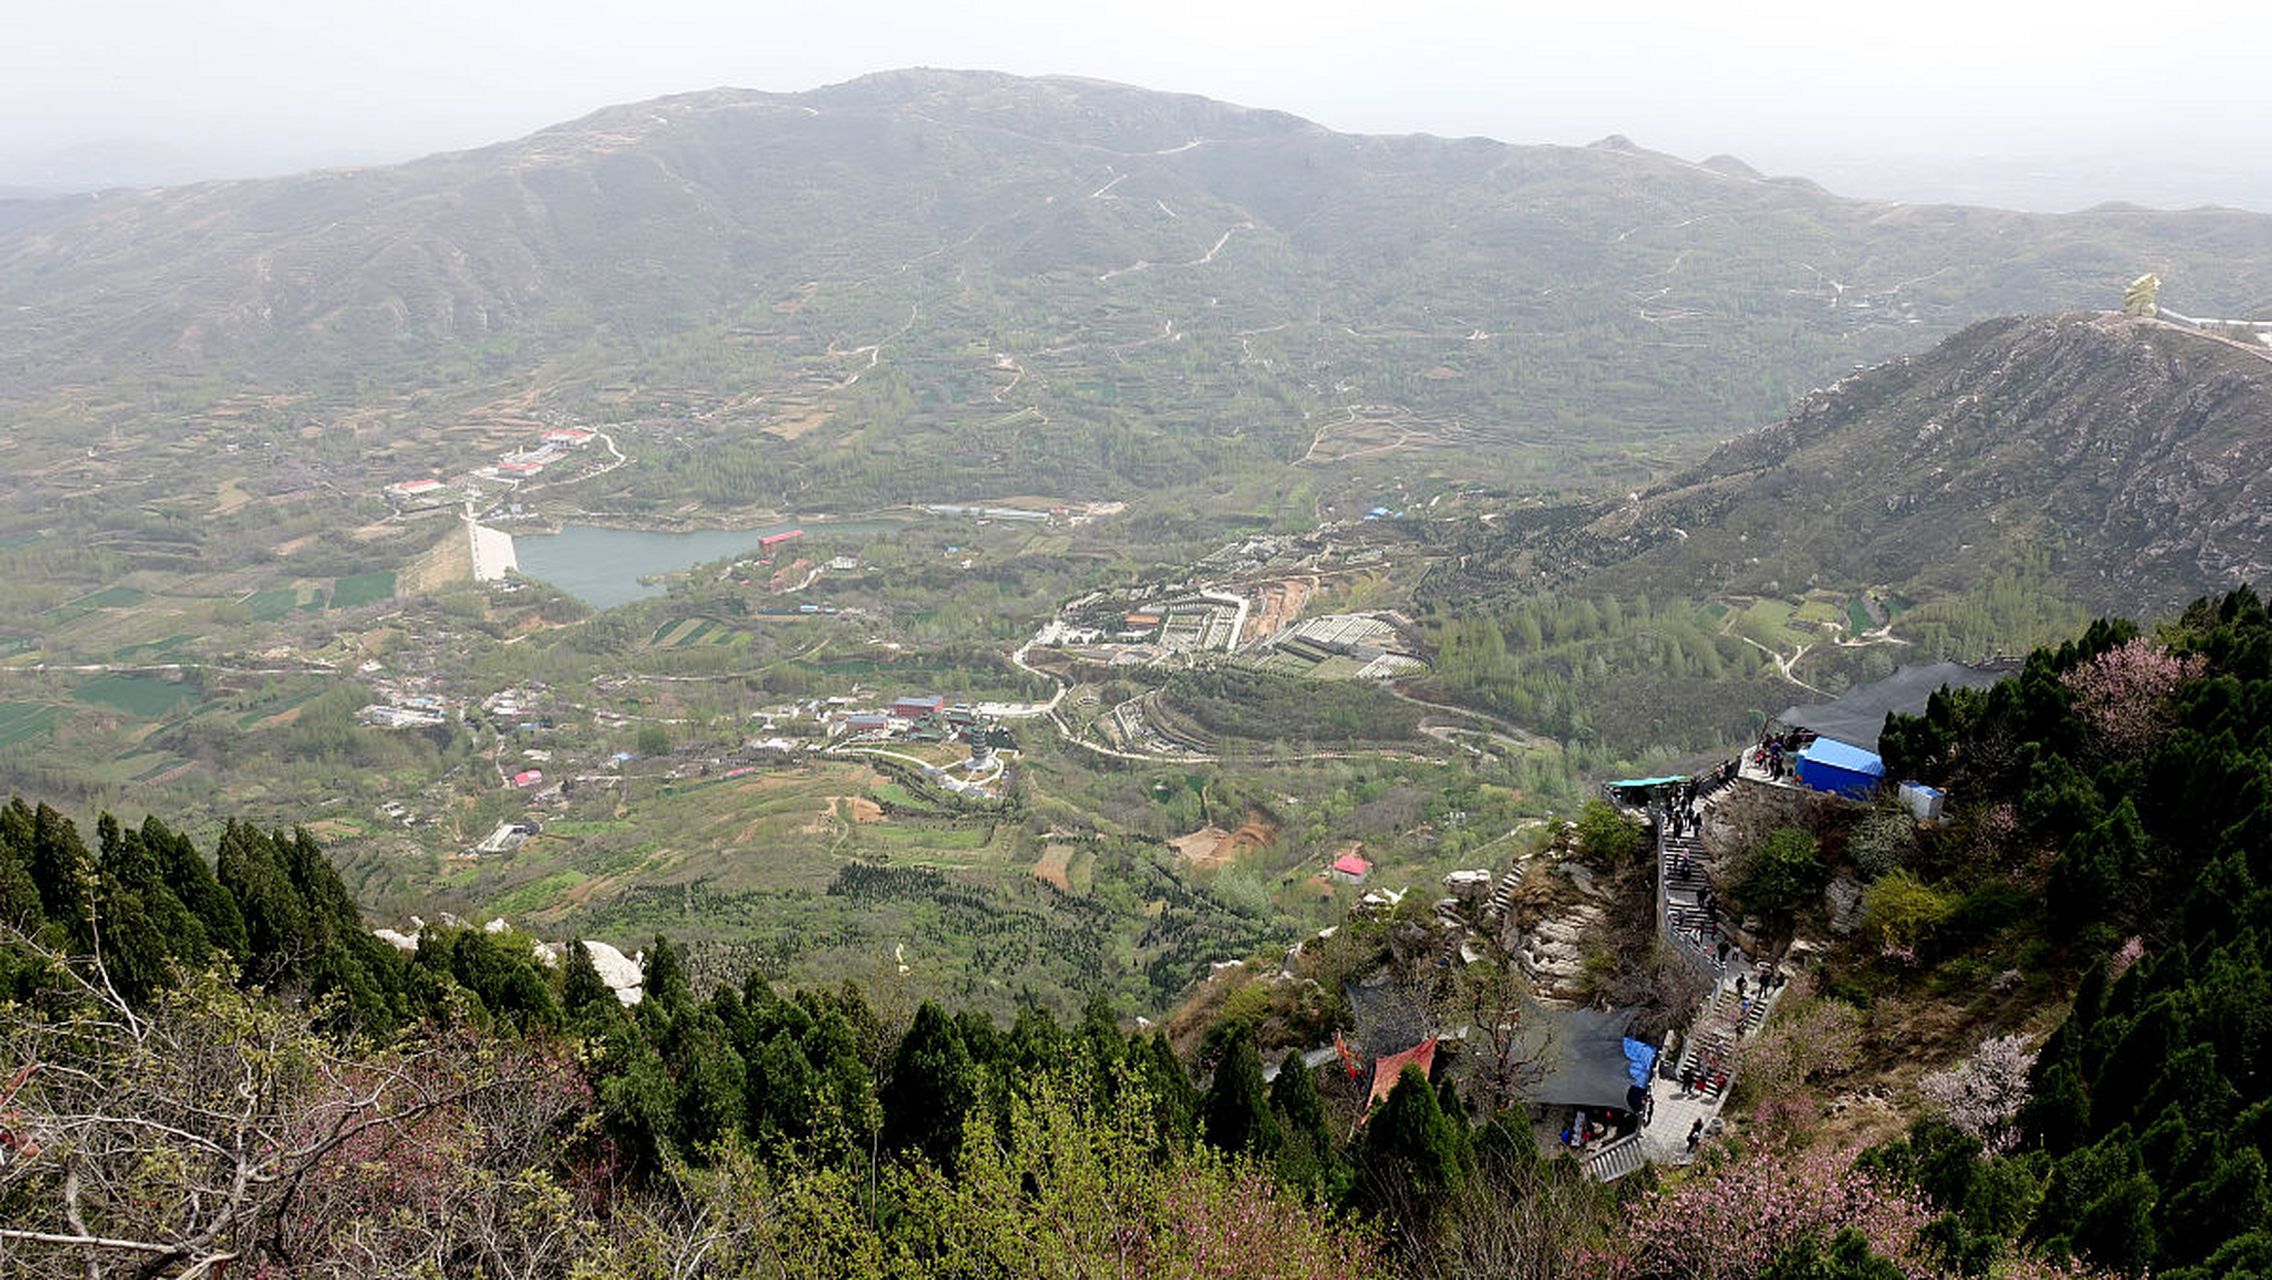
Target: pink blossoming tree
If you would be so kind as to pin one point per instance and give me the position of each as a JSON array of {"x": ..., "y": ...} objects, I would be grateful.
[
  {"x": 1727, "y": 1221},
  {"x": 2124, "y": 693}
]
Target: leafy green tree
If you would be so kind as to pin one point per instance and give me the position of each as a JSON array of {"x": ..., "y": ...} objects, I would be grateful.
[
  {"x": 1781, "y": 879},
  {"x": 1608, "y": 838}
]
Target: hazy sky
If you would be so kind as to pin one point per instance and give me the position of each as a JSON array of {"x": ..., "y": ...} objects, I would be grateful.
[{"x": 2064, "y": 104}]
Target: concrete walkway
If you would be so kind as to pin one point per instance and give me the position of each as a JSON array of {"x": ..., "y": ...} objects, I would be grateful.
[{"x": 1688, "y": 916}]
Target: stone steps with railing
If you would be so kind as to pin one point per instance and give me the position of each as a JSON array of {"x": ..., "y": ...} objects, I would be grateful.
[{"x": 1613, "y": 1160}]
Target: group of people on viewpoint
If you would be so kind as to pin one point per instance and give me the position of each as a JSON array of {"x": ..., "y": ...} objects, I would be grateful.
[{"x": 1776, "y": 753}]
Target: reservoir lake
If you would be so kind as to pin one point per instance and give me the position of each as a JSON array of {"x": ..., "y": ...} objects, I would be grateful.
[{"x": 602, "y": 567}]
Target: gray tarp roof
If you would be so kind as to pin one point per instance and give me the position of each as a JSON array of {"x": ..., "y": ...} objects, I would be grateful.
[
  {"x": 1860, "y": 714},
  {"x": 1583, "y": 1053}
]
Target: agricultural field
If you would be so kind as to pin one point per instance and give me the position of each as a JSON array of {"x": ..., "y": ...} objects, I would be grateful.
[
  {"x": 685, "y": 633},
  {"x": 25, "y": 722},
  {"x": 271, "y": 603},
  {"x": 143, "y": 697},
  {"x": 363, "y": 588}
]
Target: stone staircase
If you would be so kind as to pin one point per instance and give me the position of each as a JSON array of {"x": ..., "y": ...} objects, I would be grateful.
[
  {"x": 1690, "y": 918},
  {"x": 1614, "y": 1160},
  {"x": 1715, "y": 1036},
  {"x": 1503, "y": 895}
]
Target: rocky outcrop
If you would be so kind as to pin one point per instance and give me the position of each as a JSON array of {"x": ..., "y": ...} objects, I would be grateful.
[
  {"x": 622, "y": 974},
  {"x": 1552, "y": 952}
]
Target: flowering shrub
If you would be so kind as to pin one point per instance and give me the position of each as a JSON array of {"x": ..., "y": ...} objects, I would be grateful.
[
  {"x": 1226, "y": 1224},
  {"x": 2119, "y": 963},
  {"x": 2124, "y": 693},
  {"x": 1729, "y": 1220},
  {"x": 1984, "y": 1093}
]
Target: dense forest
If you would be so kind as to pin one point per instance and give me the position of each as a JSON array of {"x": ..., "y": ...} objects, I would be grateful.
[{"x": 211, "y": 1061}]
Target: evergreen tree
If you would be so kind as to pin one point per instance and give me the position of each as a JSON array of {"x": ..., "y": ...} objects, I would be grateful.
[
  {"x": 663, "y": 976},
  {"x": 20, "y": 903},
  {"x": 1306, "y": 1156},
  {"x": 1236, "y": 1114},
  {"x": 1412, "y": 1155},
  {"x": 144, "y": 926},
  {"x": 712, "y": 1080},
  {"x": 184, "y": 871},
  {"x": 1294, "y": 1096},
  {"x": 1848, "y": 1257},
  {"x": 59, "y": 868},
  {"x": 932, "y": 1087},
  {"x": 1175, "y": 1101}
]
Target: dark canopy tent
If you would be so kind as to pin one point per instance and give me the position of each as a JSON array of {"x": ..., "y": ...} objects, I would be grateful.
[
  {"x": 1859, "y": 716},
  {"x": 1583, "y": 1055}
]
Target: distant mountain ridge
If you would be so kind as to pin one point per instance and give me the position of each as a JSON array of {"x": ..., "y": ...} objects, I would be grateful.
[{"x": 1159, "y": 287}]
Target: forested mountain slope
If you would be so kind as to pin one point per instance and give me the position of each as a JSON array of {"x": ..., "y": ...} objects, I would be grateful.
[{"x": 1153, "y": 285}]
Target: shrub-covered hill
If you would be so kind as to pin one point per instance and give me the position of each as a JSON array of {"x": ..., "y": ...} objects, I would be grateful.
[
  {"x": 2114, "y": 832},
  {"x": 469, "y": 1111}
]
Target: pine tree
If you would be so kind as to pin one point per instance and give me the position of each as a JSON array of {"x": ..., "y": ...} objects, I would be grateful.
[
  {"x": 1412, "y": 1155},
  {"x": 932, "y": 1087},
  {"x": 1235, "y": 1112},
  {"x": 582, "y": 990}
]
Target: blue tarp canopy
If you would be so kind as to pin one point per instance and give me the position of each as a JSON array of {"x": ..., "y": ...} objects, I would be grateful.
[
  {"x": 1826, "y": 764},
  {"x": 1640, "y": 1060},
  {"x": 1623, "y": 783}
]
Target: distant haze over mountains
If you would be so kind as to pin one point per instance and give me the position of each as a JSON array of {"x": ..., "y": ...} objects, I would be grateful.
[
  {"x": 1062, "y": 282},
  {"x": 2040, "y": 182}
]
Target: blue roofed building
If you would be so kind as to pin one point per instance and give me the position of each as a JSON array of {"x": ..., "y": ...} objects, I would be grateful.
[{"x": 1826, "y": 764}]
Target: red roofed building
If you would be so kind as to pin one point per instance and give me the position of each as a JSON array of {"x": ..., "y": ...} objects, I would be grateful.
[
  {"x": 1386, "y": 1070},
  {"x": 567, "y": 435},
  {"x": 528, "y": 777},
  {"x": 917, "y": 708},
  {"x": 1351, "y": 869}
]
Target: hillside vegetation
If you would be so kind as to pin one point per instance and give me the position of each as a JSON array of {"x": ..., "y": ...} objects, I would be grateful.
[{"x": 2118, "y": 786}]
